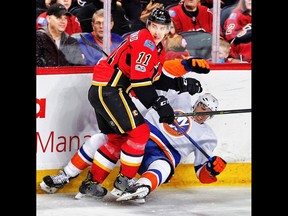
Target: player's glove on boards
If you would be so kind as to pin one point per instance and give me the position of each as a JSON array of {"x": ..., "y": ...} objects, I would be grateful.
[
  {"x": 198, "y": 65},
  {"x": 216, "y": 165},
  {"x": 190, "y": 85},
  {"x": 165, "y": 111}
]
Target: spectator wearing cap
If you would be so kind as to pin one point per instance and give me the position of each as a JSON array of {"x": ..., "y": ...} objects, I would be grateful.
[
  {"x": 73, "y": 25},
  {"x": 54, "y": 47}
]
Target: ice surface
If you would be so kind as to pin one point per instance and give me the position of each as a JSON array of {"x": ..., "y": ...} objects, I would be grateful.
[{"x": 197, "y": 201}]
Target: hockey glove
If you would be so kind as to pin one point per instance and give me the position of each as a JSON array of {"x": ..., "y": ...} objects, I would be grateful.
[
  {"x": 189, "y": 85},
  {"x": 198, "y": 65},
  {"x": 165, "y": 111},
  {"x": 216, "y": 165}
]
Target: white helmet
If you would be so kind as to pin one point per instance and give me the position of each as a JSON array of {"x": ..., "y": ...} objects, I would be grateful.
[{"x": 209, "y": 100}]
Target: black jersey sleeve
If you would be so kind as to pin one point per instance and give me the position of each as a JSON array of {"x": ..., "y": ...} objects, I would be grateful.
[
  {"x": 146, "y": 94},
  {"x": 165, "y": 83}
]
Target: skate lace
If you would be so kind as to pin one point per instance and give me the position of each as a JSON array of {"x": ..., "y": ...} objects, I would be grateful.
[{"x": 60, "y": 178}]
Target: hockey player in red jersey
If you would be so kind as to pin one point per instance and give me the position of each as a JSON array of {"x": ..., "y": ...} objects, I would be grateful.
[{"x": 132, "y": 69}]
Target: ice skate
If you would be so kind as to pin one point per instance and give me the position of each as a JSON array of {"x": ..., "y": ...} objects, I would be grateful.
[
  {"x": 136, "y": 192},
  {"x": 51, "y": 184},
  {"x": 90, "y": 188},
  {"x": 121, "y": 184}
]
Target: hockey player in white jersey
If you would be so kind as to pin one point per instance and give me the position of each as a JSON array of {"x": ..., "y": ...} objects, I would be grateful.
[
  {"x": 163, "y": 152},
  {"x": 167, "y": 147}
]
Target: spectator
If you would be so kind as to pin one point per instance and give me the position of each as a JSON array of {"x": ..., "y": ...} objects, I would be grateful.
[
  {"x": 73, "y": 25},
  {"x": 54, "y": 47},
  {"x": 175, "y": 46},
  {"x": 92, "y": 55},
  {"x": 224, "y": 14},
  {"x": 172, "y": 28},
  {"x": 238, "y": 30},
  {"x": 241, "y": 52},
  {"x": 121, "y": 23},
  {"x": 191, "y": 16},
  {"x": 224, "y": 51}
]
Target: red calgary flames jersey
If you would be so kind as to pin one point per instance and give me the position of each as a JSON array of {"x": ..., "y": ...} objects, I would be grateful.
[{"x": 136, "y": 62}]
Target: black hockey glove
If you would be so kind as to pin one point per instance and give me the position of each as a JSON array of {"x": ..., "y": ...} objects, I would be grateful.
[
  {"x": 216, "y": 165},
  {"x": 198, "y": 65},
  {"x": 189, "y": 85},
  {"x": 165, "y": 111}
]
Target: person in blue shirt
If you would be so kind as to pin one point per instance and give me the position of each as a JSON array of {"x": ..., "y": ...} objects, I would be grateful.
[{"x": 91, "y": 54}]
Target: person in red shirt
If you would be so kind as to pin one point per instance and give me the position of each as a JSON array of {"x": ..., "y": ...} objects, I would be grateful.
[
  {"x": 191, "y": 16},
  {"x": 242, "y": 52},
  {"x": 73, "y": 25},
  {"x": 238, "y": 31},
  {"x": 132, "y": 69}
]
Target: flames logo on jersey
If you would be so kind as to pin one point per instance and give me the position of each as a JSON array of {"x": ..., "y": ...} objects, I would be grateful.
[{"x": 184, "y": 123}]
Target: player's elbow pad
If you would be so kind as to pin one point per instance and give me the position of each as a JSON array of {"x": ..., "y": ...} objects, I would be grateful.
[{"x": 205, "y": 176}]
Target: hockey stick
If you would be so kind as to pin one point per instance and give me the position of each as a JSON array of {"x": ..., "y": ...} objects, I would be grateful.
[
  {"x": 220, "y": 112},
  {"x": 191, "y": 140},
  {"x": 89, "y": 43}
]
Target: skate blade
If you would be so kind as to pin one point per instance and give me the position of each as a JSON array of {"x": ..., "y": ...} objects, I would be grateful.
[
  {"x": 139, "y": 194},
  {"x": 138, "y": 200},
  {"x": 46, "y": 188},
  {"x": 79, "y": 196},
  {"x": 116, "y": 192}
]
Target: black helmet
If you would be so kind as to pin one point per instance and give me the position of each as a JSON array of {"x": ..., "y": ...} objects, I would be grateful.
[{"x": 159, "y": 16}]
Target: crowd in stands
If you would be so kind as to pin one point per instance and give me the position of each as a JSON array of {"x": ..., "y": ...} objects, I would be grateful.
[{"x": 55, "y": 42}]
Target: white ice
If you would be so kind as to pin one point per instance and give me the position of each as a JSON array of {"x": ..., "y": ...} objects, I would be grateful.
[{"x": 196, "y": 201}]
